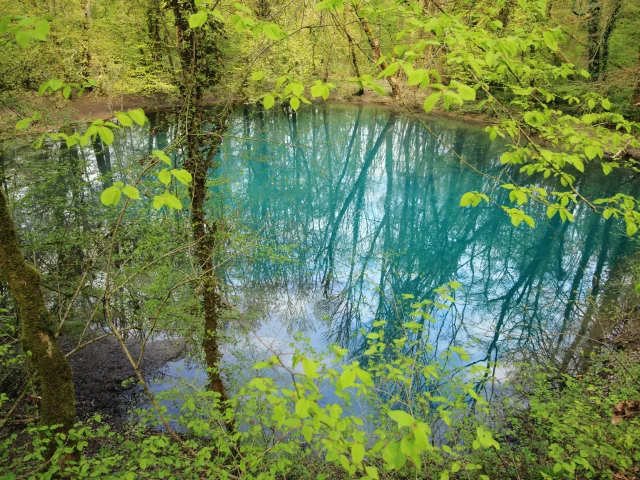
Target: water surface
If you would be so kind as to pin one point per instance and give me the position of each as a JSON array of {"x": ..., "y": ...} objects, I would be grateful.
[{"x": 354, "y": 215}]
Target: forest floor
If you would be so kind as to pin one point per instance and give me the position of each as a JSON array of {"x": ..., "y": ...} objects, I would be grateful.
[{"x": 100, "y": 368}]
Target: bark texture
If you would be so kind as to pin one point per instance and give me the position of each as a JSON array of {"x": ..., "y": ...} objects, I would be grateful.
[
  {"x": 57, "y": 405},
  {"x": 374, "y": 43},
  {"x": 594, "y": 38},
  {"x": 199, "y": 56}
]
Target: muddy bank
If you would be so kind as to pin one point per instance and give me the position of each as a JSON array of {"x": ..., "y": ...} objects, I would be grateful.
[
  {"x": 100, "y": 368},
  {"x": 91, "y": 106}
]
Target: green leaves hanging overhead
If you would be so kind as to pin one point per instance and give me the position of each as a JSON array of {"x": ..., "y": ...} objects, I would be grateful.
[
  {"x": 431, "y": 101},
  {"x": 124, "y": 119},
  {"x": 138, "y": 116},
  {"x": 163, "y": 157},
  {"x": 183, "y": 176},
  {"x": 112, "y": 195},
  {"x": 167, "y": 199},
  {"x": 473, "y": 199},
  {"x": 321, "y": 89},
  {"x": 164, "y": 176},
  {"x": 198, "y": 19},
  {"x": 24, "y": 29}
]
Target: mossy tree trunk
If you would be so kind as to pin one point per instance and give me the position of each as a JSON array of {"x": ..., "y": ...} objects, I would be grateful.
[
  {"x": 57, "y": 405},
  {"x": 606, "y": 36},
  {"x": 594, "y": 9},
  {"x": 199, "y": 56}
]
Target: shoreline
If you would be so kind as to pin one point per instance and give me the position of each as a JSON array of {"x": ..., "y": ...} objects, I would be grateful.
[{"x": 91, "y": 107}]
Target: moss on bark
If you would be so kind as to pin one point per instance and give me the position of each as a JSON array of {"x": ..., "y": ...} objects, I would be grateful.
[{"x": 57, "y": 405}]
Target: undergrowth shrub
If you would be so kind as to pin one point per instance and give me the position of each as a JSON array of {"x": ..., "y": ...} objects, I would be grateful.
[{"x": 398, "y": 411}]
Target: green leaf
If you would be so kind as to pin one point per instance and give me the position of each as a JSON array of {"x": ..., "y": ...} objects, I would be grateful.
[
  {"x": 390, "y": 70},
  {"x": 357, "y": 453},
  {"x": 551, "y": 40},
  {"x": 302, "y": 408},
  {"x": 164, "y": 176},
  {"x": 124, "y": 119},
  {"x": 23, "y": 124},
  {"x": 402, "y": 417},
  {"x": 320, "y": 89},
  {"x": 138, "y": 116},
  {"x": 529, "y": 221},
  {"x": 295, "y": 103},
  {"x": 421, "y": 438},
  {"x": 534, "y": 118},
  {"x": 131, "y": 192},
  {"x": 297, "y": 89},
  {"x": 393, "y": 456},
  {"x": 41, "y": 30},
  {"x": 66, "y": 93},
  {"x": 466, "y": 92},
  {"x": 111, "y": 196},
  {"x": 473, "y": 199},
  {"x": 347, "y": 379},
  {"x": 416, "y": 77},
  {"x": 310, "y": 368},
  {"x": 183, "y": 176},
  {"x": 259, "y": 75},
  {"x": 606, "y": 104},
  {"x": 591, "y": 152},
  {"x": 431, "y": 101},
  {"x": 55, "y": 84},
  {"x": 268, "y": 101},
  {"x": 273, "y": 31},
  {"x": 632, "y": 228},
  {"x": 451, "y": 98},
  {"x": 198, "y": 19},
  {"x": 163, "y": 157},
  {"x": 172, "y": 201},
  {"x": 106, "y": 135},
  {"x": 372, "y": 472},
  {"x": 217, "y": 14},
  {"x": 22, "y": 38}
]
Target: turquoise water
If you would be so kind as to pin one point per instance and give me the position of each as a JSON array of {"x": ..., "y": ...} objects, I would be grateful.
[
  {"x": 364, "y": 204},
  {"x": 349, "y": 214}
]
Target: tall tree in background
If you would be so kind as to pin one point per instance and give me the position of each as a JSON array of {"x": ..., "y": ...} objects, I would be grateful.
[{"x": 199, "y": 52}]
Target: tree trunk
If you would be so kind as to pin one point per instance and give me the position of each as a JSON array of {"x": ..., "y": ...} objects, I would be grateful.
[
  {"x": 635, "y": 96},
  {"x": 153, "y": 23},
  {"x": 354, "y": 62},
  {"x": 57, "y": 405},
  {"x": 198, "y": 53},
  {"x": 86, "y": 53},
  {"x": 606, "y": 36},
  {"x": 374, "y": 42},
  {"x": 593, "y": 41}
]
